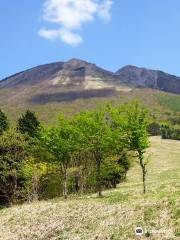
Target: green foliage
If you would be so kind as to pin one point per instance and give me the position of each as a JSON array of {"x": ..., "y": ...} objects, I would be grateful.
[
  {"x": 90, "y": 151},
  {"x": 170, "y": 132},
  {"x": 33, "y": 173},
  {"x": 96, "y": 134},
  {"x": 124, "y": 161},
  {"x": 112, "y": 172},
  {"x": 136, "y": 125},
  {"x": 61, "y": 142},
  {"x": 29, "y": 124},
  {"x": 4, "y": 124},
  {"x": 97, "y": 138},
  {"x": 12, "y": 154}
]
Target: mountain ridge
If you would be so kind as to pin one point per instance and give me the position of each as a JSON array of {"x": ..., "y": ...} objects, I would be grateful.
[
  {"x": 80, "y": 73},
  {"x": 145, "y": 77}
]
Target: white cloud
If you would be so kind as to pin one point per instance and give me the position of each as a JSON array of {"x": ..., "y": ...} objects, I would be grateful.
[
  {"x": 65, "y": 35},
  {"x": 70, "y": 15},
  {"x": 105, "y": 9},
  {"x": 49, "y": 34}
]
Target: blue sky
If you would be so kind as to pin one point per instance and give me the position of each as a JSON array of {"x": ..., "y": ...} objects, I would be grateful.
[{"x": 110, "y": 33}]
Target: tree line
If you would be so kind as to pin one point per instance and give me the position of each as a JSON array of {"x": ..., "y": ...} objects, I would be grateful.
[
  {"x": 89, "y": 152},
  {"x": 168, "y": 128}
]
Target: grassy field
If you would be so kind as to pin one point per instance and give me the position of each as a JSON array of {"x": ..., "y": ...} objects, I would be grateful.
[{"x": 113, "y": 217}]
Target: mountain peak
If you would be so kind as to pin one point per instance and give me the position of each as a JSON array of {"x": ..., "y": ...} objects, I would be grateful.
[
  {"x": 133, "y": 68},
  {"x": 75, "y": 63}
]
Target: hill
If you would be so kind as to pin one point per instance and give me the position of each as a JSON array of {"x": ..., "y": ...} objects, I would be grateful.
[
  {"x": 113, "y": 217},
  {"x": 76, "y": 84}
]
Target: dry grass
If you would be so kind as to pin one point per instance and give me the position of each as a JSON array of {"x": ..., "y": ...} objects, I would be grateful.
[{"x": 116, "y": 215}]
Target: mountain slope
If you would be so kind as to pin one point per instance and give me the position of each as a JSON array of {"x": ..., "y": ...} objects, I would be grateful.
[
  {"x": 149, "y": 78},
  {"x": 30, "y": 77},
  {"x": 75, "y": 72}
]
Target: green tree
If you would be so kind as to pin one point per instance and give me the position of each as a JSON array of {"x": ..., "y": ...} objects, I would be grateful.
[
  {"x": 136, "y": 125},
  {"x": 112, "y": 172},
  {"x": 12, "y": 154},
  {"x": 4, "y": 124},
  {"x": 29, "y": 124},
  {"x": 33, "y": 172},
  {"x": 61, "y": 142},
  {"x": 97, "y": 139},
  {"x": 124, "y": 161},
  {"x": 117, "y": 121}
]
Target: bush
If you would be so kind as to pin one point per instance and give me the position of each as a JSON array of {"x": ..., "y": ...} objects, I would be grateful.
[
  {"x": 170, "y": 132},
  {"x": 154, "y": 129}
]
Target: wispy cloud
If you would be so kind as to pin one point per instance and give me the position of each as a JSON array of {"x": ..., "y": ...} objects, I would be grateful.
[
  {"x": 65, "y": 35},
  {"x": 70, "y": 15}
]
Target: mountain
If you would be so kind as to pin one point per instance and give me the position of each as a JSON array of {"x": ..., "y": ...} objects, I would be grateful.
[
  {"x": 80, "y": 74},
  {"x": 73, "y": 73},
  {"x": 142, "y": 77},
  {"x": 76, "y": 84}
]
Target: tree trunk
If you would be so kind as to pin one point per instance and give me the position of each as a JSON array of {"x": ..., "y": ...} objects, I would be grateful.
[
  {"x": 143, "y": 167},
  {"x": 144, "y": 180},
  {"x": 13, "y": 188},
  {"x": 98, "y": 176},
  {"x": 76, "y": 182},
  {"x": 65, "y": 191},
  {"x": 35, "y": 183}
]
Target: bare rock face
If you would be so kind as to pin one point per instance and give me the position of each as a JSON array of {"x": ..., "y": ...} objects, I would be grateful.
[
  {"x": 142, "y": 77},
  {"x": 77, "y": 72}
]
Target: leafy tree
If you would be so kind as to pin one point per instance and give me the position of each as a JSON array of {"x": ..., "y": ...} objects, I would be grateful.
[
  {"x": 112, "y": 172},
  {"x": 12, "y": 154},
  {"x": 4, "y": 124},
  {"x": 117, "y": 121},
  {"x": 61, "y": 142},
  {"x": 97, "y": 139},
  {"x": 124, "y": 161},
  {"x": 29, "y": 124},
  {"x": 33, "y": 173},
  {"x": 137, "y": 135}
]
